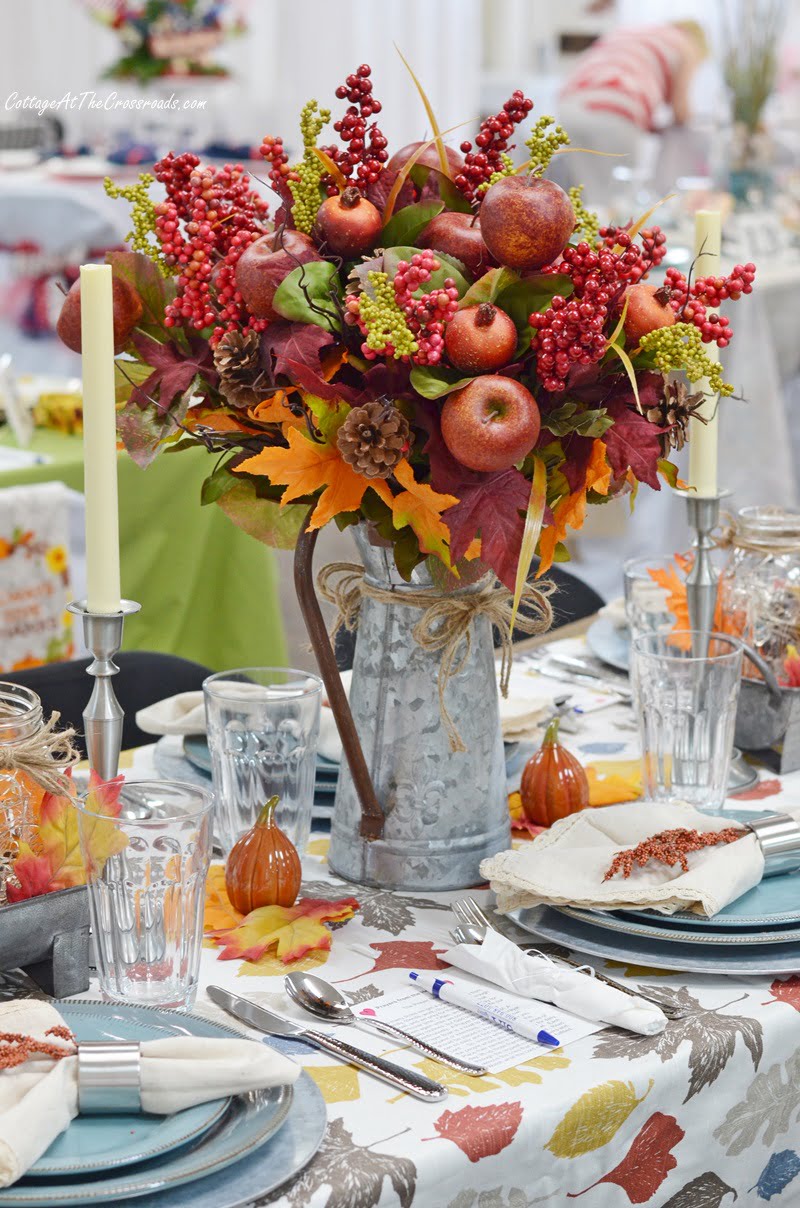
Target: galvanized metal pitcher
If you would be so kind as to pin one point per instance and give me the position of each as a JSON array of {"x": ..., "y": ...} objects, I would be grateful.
[{"x": 444, "y": 811}]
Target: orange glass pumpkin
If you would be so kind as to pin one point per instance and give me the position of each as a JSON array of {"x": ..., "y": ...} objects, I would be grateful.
[
  {"x": 263, "y": 868},
  {"x": 553, "y": 783}
]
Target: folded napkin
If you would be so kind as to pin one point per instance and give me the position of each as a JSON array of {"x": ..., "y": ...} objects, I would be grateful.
[
  {"x": 565, "y": 865},
  {"x": 501, "y": 962},
  {"x": 615, "y": 612},
  {"x": 181, "y": 714},
  {"x": 39, "y": 1098}
]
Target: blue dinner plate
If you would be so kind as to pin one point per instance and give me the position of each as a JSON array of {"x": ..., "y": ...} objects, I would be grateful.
[
  {"x": 668, "y": 928},
  {"x": 774, "y": 902},
  {"x": 247, "y": 1122},
  {"x": 545, "y": 923},
  {"x": 609, "y": 643}
]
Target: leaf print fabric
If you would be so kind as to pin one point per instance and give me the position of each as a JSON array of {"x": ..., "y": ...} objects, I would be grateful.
[
  {"x": 481, "y": 1131},
  {"x": 354, "y": 1173},
  {"x": 712, "y": 1035},
  {"x": 648, "y": 1161},
  {"x": 595, "y": 1119},
  {"x": 706, "y": 1191},
  {"x": 772, "y": 1103}
]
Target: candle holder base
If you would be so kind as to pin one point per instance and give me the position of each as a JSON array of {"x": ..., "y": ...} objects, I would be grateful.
[{"x": 103, "y": 716}]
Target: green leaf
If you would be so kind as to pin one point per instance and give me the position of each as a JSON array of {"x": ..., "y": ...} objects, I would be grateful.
[
  {"x": 453, "y": 198},
  {"x": 569, "y": 417},
  {"x": 488, "y": 287},
  {"x": 532, "y": 293},
  {"x": 143, "y": 432},
  {"x": 305, "y": 296},
  {"x": 128, "y": 374},
  {"x": 668, "y": 471},
  {"x": 530, "y": 536},
  {"x": 450, "y": 267},
  {"x": 263, "y": 519},
  {"x": 219, "y": 482},
  {"x": 329, "y": 416},
  {"x": 406, "y": 224},
  {"x": 437, "y": 381}
]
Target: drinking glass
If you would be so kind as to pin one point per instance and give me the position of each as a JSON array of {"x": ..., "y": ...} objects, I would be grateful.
[
  {"x": 647, "y": 602},
  {"x": 263, "y": 726},
  {"x": 146, "y": 870},
  {"x": 687, "y": 711}
]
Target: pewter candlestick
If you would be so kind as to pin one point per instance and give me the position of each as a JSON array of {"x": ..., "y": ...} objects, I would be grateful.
[
  {"x": 702, "y": 581},
  {"x": 102, "y": 717}
]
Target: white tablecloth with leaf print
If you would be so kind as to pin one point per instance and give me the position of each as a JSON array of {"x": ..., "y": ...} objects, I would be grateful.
[{"x": 706, "y": 1114}]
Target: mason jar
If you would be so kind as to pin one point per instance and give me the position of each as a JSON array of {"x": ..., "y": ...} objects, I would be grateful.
[
  {"x": 760, "y": 587},
  {"x": 20, "y": 796}
]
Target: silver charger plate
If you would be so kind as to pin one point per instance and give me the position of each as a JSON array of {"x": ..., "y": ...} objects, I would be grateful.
[
  {"x": 238, "y": 1160},
  {"x": 661, "y": 927},
  {"x": 609, "y": 644},
  {"x": 587, "y": 938}
]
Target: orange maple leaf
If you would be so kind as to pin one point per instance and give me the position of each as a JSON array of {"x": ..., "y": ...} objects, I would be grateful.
[
  {"x": 275, "y": 411},
  {"x": 419, "y": 506},
  {"x": 220, "y": 913},
  {"x": 571, "y": 510},
  {"x": 305, "y": 467},
  {"x": 294, "y": 930}
]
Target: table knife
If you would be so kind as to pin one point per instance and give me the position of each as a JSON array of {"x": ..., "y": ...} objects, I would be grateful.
[{"x": 410, "y": 1081}]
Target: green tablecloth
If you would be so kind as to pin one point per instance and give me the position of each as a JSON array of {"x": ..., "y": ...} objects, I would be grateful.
[{"x": 208, "y": 591}]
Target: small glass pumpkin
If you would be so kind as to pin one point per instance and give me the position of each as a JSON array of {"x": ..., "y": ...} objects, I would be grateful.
[
  {"x": 263, "y": 868},
  {"x": 554, "y": 783}
]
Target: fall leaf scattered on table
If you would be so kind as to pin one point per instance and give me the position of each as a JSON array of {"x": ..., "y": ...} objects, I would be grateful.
[
  {"x": 648, "y": 1161},
  {"x": 295, "y": 930}
]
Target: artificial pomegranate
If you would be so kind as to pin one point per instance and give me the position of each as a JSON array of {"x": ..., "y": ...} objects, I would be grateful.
[
  {"x": 348, "y": 225},
  {"x": 263, "y": 867},
  {"x": 526, "y": 221},
  {"x": 648, "y": 309},
  {"x": 428, "y": 159},
  {"x": 458, "y": 235},
  {"x": 127, "y": 313},
  {"x": 490, "y": 424},
  {"x": 265, "y": 263},
  {"x": 480, "y": 339},
  {"x": 554, "y": 783}
]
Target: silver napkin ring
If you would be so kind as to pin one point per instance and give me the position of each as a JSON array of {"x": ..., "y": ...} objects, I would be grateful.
[
  {"x": 109, "y": 1077},
  {"x": 779, "y": 839}
]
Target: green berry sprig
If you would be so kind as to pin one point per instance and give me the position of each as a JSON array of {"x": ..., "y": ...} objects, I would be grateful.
[
  {"x": 543, "y": 143},
  {"x": 143, "y": 216},
  {"x": 587, "y": 224},
  {"x": 507, "y": 169},
  {"x": 681, "y": 347},
  {"x": 307, "y": 192},
  {"x": 383, "y": 321}
]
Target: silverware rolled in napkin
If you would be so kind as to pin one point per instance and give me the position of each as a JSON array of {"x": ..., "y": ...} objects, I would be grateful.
[{"x": 259, "y": 1017}]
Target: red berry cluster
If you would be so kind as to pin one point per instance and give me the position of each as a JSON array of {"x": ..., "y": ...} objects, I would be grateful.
[
  {"x": 280, "y": 174},
  {"x": 491, "y": 141},
  {"x": 221, "y": 216},
  {"x": 572, "y": 331},
  {"x": 692, "y": 302},
  {"x": 365, "y": 150},
  {"x": 428, "y": 315}
]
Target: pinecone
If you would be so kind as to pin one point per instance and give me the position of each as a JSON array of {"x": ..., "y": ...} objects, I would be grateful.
[
  {"x": 674, "y": 411},
  {"x": 374, "y": 438},
  {"x": 237, "y": 360}
]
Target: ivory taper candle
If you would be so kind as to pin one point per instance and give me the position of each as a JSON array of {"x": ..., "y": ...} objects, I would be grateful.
[
  {"x": 99, "y": 440},
  {"x": 704, "y": 438}
]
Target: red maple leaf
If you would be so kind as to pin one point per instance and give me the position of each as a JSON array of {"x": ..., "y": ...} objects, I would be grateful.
[
  {"x": 404, "y": 954},
  {"x": 491, "y": 506},
  {"x": 632, "y": 440},
  {"x": 648, "y": 1161},
  {"x": 578, "y": 452},
  {"x": 480, "y": 1132},
  {"x": 299, "y": 343},
  {"x": 787, "y": 991},
  {"x": 173, "y": 370},
  {"x": 312, "y": 381},
  {"x": 764, "y": 788}
]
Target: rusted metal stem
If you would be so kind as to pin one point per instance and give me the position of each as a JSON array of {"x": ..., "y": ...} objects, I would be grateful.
[{"x": 371, "y": 813}]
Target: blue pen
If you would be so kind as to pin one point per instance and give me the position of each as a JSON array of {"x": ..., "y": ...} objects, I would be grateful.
[{"x": 483, "y": 1002}]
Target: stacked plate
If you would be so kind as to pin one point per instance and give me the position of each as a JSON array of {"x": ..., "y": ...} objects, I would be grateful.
[
  {"x": 217, "y": 1155},
  {"x": 758, "y": 933}
]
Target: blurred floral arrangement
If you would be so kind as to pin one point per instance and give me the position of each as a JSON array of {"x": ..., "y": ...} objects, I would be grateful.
[
  {"x": 166, "y": 37},
  {"x": 751, "y": 32},
  {"x": 435, "y": 341}
]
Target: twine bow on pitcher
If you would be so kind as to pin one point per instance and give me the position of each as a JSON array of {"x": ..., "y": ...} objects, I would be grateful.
[
  {"x": 44, "y": 757},
  {"x": 445, "y": 625}
]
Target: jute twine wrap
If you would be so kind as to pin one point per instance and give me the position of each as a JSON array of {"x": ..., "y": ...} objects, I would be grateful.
[
  {"x": 44, "y": 756},
  {"x": 446, "y": 623}
]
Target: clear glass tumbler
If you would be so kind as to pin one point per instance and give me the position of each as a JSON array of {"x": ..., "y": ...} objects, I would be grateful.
[
  {"x": 146, "y": 870},
  {"x": 687, "y": 712},
  {"x": 649, "y": 603},
  {"x": 263, "y": 727}
]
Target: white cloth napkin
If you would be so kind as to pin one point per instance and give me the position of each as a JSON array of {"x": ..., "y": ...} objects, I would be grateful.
[
  {"x": 565, "y": 865},
  {"x": 181, "y": 714},
  {"x": 39, "y": 1098},
  {"x": 501, "y": 962}
]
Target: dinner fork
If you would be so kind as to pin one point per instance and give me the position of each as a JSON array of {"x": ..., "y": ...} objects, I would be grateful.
[{"x": 477, "y": 923}]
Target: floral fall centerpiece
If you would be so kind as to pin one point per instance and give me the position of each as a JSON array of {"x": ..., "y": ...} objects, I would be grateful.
[{"x": 437, "y": 346}]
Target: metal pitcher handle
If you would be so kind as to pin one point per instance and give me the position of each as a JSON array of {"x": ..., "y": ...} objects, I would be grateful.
[
  {"x": 758, "y": 661},
  {"x": 372, "y": 818}
]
